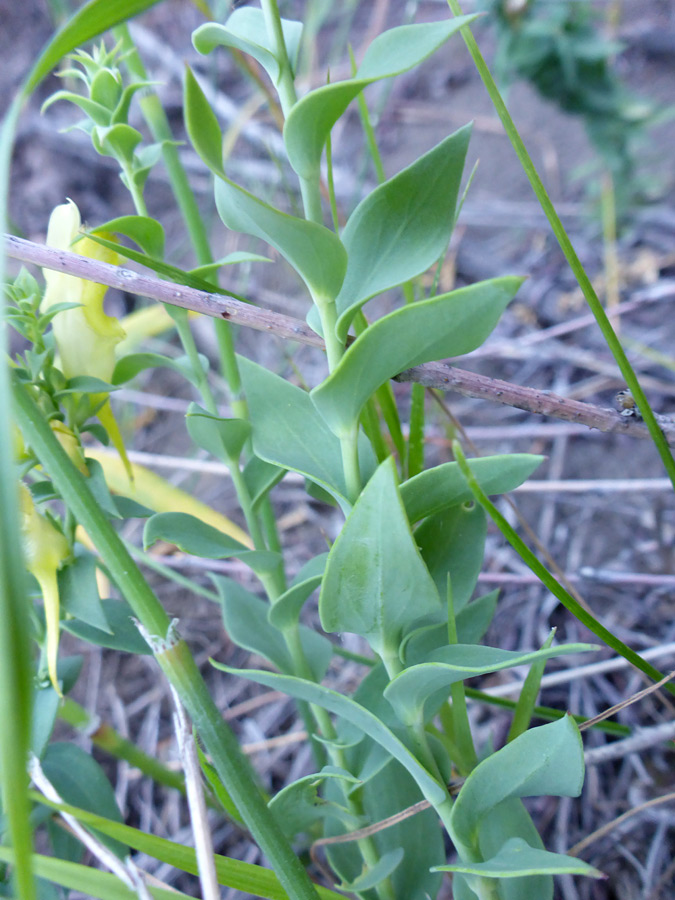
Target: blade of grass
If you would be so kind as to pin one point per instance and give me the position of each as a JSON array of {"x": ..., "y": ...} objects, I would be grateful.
[
  {"x": 171, "y": 652},
  {"x": 548, "y": 580},
  {"x": 547, "y": 713},
  {"x": 522, "y": 714},
  {"x": 567, "y": 248},
  {"x": 15, "y": 669},
  {"x": 242, "y": 876}
]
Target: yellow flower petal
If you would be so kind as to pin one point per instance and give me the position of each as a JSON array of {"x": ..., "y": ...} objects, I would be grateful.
[
  {"x": 45, "y": 549},
  {"x": 85, "y": 337}
]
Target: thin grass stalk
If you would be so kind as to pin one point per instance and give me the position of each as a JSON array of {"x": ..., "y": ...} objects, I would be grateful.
[
  {"x": 567, "y": 600},
  {"x": 567, "y": 248},
  {"x": 15, "y": 649},
  {"x": 158, "y": 123},
  {"x": 172, "y": 653}
]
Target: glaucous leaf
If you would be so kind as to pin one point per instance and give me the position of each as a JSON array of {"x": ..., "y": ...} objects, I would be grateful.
[
  {"x": 452, "y": 542},
  {"x": 409, "y": 691},
  {"x": 245, "y": 619},
  {"x": 222, "y": 438},
  {"x": 545, "y": 760},
  {"x": 376, "y": 582},
  {"x": 78, "y": 592},
  {"x": 383, "y": 795},
  {"x": 132, "y": 364},
  {"x": 260, "y": 477},
  {"x": 289, "y": 432},
  {"x": 517, "y": 859},
  {"x": 315, "y": 252},
  {"x": 449, "y": 325},
  {"x": 144, "y": 231},
  {"x": 193, "y": 536},
  {"x": 46, "y": 702},
  {"x": 80, "y": 780},
  {"x": 402, "y": 227},
  {"x": 444, "y": 485},
  {"x": 245, "y": 30},
  {"x": 119, "y": 141},
  {"x": 201, "y": 124},
  {"x": 350, "y": 711},
  {"x": 373, "y": 875},
  {"x": 391, "y": 53},
  {"x": 510, "y": 819},
  {"x": 122, "y": 634},
  {"x": 298, "y": 805},
  {"x": 89, "y": 21},
  {"x": 286, "y": 608},
  {"x": 474, "y": 620}
]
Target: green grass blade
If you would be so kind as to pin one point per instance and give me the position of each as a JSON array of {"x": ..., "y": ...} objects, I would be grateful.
[
  {"x": 242, "y": 876},
  {"x": 528, "y": 695},
  {"x": 93, "y": 882},
  {"x": 549, "y": 581},
  {"x": 568, "y": 250},
  {"x": 15, "y": 651},
  {"x": 171, "y": 653}
]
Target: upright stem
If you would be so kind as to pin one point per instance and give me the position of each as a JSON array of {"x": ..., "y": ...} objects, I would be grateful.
[
  {"x": 285, "y": 85},
  {"x": 568, "y": 250},
  {"x": 157, "y": 120},
  {"x": 171, "y": 653},
  {"x": 274, "y": 583}
]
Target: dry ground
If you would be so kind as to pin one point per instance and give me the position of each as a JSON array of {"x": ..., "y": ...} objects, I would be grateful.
[{"x": 614, "y": 541}]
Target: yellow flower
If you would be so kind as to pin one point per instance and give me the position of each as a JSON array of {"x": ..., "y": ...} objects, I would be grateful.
[
  {"x": 86, "y": 337},
  {"x": 45, "y": 549}
]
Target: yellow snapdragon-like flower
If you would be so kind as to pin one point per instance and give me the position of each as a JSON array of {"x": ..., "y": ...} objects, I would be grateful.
[
  {"x": 86, "y": 337},
  {"x": 45, "y": 549}
]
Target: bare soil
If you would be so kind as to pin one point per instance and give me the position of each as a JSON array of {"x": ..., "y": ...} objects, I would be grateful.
[{"x": 614, "y": 542}]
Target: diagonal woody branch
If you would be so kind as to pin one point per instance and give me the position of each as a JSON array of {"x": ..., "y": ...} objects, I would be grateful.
[{"x": 435, "y": 375}]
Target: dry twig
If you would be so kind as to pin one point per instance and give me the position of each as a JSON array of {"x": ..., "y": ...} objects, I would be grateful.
[{"x": 434, "y": 375}]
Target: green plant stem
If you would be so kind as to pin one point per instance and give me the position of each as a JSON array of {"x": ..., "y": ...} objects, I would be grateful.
[
  {"x": 274, "y": 582},
  {"x": 15, "y": 653},
  {"x": 334, "y": 348},
  {"x": 331, "y": 186},
  {"x": 349, "y": 445},
  {"x": 180, "y": 317},
  {"x": 157, "y": 120},
  {"x": 416, "y": 437},
  {"x": 418, "y": 735},
  {"x": 171, "y": 653},
  {"x": 327, "y": 730},
  {"x": 486, "y": 888},
  {"x": 549, "y": 581},
  {"x": 608, "y": 205},
  {"x": 285, "y": 85},
  {"x": 568, "y": 250},
  {"x": 106, "y": 738},
  {"x": 461, "y": 727},
  {"x": 528, "y": 695},
  {"x": 135, "y": 191}
]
